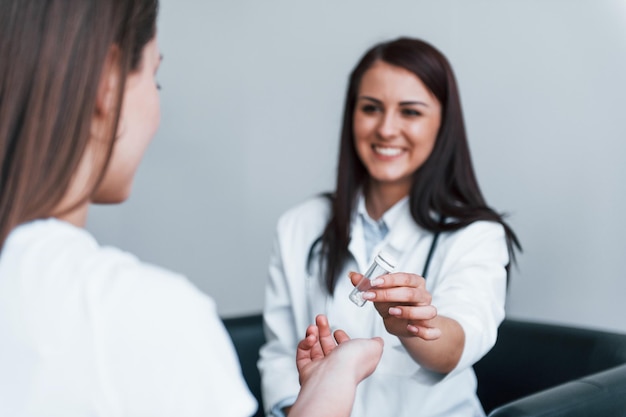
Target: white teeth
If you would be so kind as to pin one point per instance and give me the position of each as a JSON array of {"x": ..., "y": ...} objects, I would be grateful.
[{"x": 387, "y": 151}]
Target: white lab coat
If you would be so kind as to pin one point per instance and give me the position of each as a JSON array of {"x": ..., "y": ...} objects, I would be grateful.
[{"x": 467, "y": 280}]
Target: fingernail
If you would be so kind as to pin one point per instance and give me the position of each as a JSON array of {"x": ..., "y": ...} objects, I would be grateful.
[
  {"x": 395, "y": 311},
  {"x": 369, "y": 295},
  {"x": 412, "y": 329},
  {"x": 351, "y": 273},
  {"x": 376, "y": 282}
]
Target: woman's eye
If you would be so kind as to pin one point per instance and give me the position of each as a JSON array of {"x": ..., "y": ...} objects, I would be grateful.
[
  {"x": 369, "y": 108},
  {"x": 411, "y": 112}
]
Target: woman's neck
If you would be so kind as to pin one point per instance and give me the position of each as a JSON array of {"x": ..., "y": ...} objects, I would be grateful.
[
  {"x": 381, "y": 197},
  {"x": 77, "y": 217}
]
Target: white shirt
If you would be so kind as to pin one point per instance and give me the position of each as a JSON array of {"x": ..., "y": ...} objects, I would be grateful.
[
  {"x": 467, "y": 279},
  {"x": 87, "y": 330}
]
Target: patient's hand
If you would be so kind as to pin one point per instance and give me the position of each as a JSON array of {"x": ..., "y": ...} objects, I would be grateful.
[{"x": 330, "y": 368}]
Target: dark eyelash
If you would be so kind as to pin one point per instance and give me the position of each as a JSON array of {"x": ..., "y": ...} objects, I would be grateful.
[
  {"x": 369, "y": 108},
  {"x": 411, "y": 112}
]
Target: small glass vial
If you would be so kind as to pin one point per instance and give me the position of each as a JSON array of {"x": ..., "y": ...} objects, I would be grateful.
[{"x": 383, "y": 264}]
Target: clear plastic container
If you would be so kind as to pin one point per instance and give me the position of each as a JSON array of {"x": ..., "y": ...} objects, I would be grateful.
[{"x": 383, "y": 264}]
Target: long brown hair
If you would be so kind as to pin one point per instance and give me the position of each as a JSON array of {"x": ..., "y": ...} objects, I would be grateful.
[
  {"x": 445, "y": 184},
  {"x": 53, "y": 56}
]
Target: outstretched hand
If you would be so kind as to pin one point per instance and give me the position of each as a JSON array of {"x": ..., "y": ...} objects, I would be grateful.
[
  {"x": 330, "y": 367},
  {"x": 356, "y": 357},
  {"x": 403, "y": 302}
]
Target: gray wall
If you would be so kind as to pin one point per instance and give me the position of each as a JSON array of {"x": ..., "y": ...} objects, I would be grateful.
[{"x": 252, "y": 98}]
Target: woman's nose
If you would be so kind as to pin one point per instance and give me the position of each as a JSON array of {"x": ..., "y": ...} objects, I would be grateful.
[{"x": 388, "y": 126}]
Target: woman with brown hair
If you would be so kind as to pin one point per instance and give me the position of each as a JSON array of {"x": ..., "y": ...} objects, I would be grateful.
[
  {"x": 87, "y": 330},
  {"x": 405, "y": 186}
]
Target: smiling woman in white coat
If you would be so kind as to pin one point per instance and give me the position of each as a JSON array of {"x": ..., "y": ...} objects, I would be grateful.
[{"x": 406, "y": 186}]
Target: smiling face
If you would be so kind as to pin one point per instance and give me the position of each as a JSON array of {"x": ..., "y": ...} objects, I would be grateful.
[{"x": 395, "y": 125}]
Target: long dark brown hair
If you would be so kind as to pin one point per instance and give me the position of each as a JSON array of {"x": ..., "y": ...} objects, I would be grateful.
[
  {"x": 53, "y": 56},
  {"x": 445, "y": 184}
]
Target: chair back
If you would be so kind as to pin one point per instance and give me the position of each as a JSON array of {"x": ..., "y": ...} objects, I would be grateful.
[{"x": 248, "y": 337}]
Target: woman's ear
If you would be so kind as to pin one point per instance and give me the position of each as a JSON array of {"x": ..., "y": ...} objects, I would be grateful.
[{"x": 108, "y": 88}]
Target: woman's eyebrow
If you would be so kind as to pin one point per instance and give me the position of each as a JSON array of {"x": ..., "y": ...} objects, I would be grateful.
[
  {"x": 418, "y": 103},
  {"x": 375, "y": 100},
  {"x": 402, "y": 103}
]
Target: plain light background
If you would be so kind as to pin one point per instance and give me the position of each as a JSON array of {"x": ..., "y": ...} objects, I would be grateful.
[{"x": 251, "y": 105}]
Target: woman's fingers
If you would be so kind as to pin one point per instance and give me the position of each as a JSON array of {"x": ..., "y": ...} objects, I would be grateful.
[
  {"x": 355, "y": 277},
  {"x": 327, "y": 342},
  {"x": 426, "y": 333},
  {"x": 417, "y": 319},
  {"x": 411, "y": 295},
  {"x": 305, "y": 350},
  {"x": 427, "y": 312},
  {"x": 316, "y": 349},
  {"x": 399, "y": 288},
  {"x": 397, "y": 279},
  {"x": 307, "y": 343},
  {"x": 403, "y": 302},
  {"x": 414, "y": 320},
  {"x": 341, "y": 336}
]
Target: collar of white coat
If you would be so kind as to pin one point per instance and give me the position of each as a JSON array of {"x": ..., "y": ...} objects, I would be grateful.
[
  {"x": 390, "y": 217},
  {"x": 403, "y": 230}
]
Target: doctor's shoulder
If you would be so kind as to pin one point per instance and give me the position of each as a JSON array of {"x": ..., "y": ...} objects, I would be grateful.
[{"x": 481, "y": 235}]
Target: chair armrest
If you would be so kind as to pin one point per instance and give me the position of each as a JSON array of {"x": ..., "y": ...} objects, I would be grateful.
[
  {"x": 597, "y": 395},
  {"x": 530, "y": 357}
]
